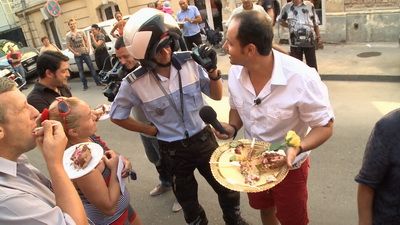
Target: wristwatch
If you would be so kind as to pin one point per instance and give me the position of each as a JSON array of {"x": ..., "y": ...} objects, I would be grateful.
[{"x": 217, "y": 77}]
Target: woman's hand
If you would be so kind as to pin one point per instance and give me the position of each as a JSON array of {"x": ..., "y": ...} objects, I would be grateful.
[
  {"x": 127, "y": 167},
  {"x": 111, "y": 160}
]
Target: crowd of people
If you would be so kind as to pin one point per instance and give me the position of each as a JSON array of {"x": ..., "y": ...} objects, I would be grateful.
[{"x": 270, "y": 93}]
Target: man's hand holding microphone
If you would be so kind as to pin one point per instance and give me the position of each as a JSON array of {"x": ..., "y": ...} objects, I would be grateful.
[{"x": 222, "y": 130}]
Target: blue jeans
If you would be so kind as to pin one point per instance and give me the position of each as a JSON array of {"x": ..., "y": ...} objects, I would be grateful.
[
  {"x": 79, "y": 63},
  {"x": 153, "y": 154},
  {"x": 20, "y": 69}
]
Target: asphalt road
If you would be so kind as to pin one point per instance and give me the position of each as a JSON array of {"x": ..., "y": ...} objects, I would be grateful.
[{"x": 332, "y": 190}]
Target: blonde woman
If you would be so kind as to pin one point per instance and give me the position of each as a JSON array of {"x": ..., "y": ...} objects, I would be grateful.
[{"x": 103, "y": 202}]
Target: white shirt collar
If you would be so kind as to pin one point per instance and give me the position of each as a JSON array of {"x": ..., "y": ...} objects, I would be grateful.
[
  {"x": 8, "y": 167},
  {"x": 277, "y": 78}
]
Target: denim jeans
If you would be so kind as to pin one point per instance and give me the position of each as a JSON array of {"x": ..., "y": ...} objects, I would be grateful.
[
  {"x": 20, "y": 69},
  {"x": 152, "y": 151},
  {"x": 79, "y": 63}
]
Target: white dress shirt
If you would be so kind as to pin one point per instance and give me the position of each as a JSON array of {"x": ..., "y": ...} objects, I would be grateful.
[
  {"x": 294, "y": 98},
  {"x": 26, "y": 196}
]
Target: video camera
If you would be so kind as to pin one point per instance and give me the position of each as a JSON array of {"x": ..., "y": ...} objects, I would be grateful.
[{"x": 113, "y": 78}]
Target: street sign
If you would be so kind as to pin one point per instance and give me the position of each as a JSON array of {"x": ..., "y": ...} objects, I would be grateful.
[{"x": 53, "y": 7}]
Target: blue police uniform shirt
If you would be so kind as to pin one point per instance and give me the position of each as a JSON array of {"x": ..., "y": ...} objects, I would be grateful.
[
  {"x": 189, "y": 29},
  {"x": 145, "y": 93}
]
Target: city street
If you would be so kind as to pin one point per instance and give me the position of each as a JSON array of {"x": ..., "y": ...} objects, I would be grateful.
[{"x": 332, "y": 190}]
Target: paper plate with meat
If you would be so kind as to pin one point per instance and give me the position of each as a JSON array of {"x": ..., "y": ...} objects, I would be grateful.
[
  {"x": 80, "y": 159},
  {"x": 239, "y": 166}
]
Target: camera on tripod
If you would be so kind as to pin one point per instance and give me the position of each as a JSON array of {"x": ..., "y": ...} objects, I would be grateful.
[{"x": 113, "y": 79}]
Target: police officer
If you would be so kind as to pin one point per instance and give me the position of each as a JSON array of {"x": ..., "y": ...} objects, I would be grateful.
[{"x": 168, "y": 86}]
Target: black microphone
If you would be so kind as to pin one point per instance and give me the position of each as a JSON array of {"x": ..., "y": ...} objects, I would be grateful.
[
  {"x": 208, "y": 115},
  {"x": 257, "y": 101}
]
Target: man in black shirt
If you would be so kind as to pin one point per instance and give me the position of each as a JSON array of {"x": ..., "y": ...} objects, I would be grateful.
[
  {"x": 53, "y": 70},
  {"x": 378, "y": 195}
]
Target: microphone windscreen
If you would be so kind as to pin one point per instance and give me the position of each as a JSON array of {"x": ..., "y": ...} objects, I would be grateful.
[{"x": 207, "y": 114}]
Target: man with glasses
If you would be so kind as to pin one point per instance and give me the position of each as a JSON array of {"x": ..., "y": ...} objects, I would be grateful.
[
  {"x": 53, "y": 70},
  {"x": 27, "y": 196},
  {"x": 77, "y": 43}
]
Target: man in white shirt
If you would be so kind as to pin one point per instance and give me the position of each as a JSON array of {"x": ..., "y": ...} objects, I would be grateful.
[
  {"x": 270, "y": 94},
  {"x": 26, "y": 195}
]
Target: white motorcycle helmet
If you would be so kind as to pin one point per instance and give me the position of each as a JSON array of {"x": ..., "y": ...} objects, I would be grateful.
[{"x": 147, "y": 31}]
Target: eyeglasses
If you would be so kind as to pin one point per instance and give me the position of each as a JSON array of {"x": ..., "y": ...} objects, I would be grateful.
[{"x": 63, "y": 110}]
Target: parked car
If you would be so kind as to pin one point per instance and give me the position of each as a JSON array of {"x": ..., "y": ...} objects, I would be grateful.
[
  {"x": 29, "y": 57},
  {"x": 106, "y": 27}
]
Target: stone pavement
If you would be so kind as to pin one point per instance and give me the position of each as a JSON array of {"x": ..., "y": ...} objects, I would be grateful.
[{"x": 354, "y": 61}]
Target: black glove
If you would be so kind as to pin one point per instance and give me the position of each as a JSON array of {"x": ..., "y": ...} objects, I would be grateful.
[{"x": 205, "y": 56}]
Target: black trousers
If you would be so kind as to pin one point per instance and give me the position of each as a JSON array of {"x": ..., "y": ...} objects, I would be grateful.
[
  {"x": 101, "y": 57},
  {"x": 309, "y": 53},
  {"x": 193, "y": 39},
  {"x": 182, "y": 158}
]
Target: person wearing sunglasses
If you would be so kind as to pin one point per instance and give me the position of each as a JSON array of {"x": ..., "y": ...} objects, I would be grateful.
[
  {"x": 27, "y": 196},
  {"x": 99, "y": 190}
]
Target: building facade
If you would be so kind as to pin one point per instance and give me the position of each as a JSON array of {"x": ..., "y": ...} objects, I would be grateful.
[
  {"x": 36, "y": 21},
  {"x": 341, "y": 20},
  {"x": 361, "y": 20}
]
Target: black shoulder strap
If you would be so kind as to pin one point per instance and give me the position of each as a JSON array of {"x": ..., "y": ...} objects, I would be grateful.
[{"x": 136, "y": 74}]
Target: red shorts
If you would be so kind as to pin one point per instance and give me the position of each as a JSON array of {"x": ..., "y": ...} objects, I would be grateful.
[{"x": 289, "y": 197}]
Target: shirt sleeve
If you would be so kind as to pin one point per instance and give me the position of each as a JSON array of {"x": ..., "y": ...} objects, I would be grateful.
[
  {"x": 315, "y": 17},
  {"x": 38, "y": 103},
  {"x": 315, "y": 107},
  {"x": 124, "y": 102},
  {"x": 68, "y": 38},
  {"x": 204, "y": 80},
  {"x": 196, "y": 11},
  {"x": 284, "y": 14},
  {"x": 376, "y": 159},
  {"x": 17, "y": 209}
]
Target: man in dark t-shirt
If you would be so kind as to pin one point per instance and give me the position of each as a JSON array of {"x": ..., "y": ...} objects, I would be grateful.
[
  {"x": 53, "y": 70},
  {"x": 379, "y": 177}
]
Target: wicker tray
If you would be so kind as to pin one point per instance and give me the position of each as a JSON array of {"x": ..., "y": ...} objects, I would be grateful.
[{"x": 228, "y": 173}]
